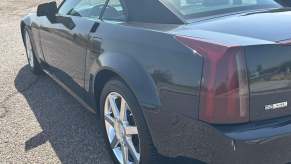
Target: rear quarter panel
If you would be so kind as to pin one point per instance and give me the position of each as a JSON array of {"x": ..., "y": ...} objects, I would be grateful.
[
  {"x": 164, "y": 75},
  {"x": 173, "y": 68}
]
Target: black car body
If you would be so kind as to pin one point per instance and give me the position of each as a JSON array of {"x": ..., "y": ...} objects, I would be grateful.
[{"x": 213, "y": 86}]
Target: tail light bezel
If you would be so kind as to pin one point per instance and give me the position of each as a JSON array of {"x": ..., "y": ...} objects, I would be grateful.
[{"x": 224, "y": 92}]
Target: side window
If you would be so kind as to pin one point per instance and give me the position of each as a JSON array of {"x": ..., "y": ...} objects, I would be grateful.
[
  {"x": 67, "y": 6},
  {"x": 115, "y": 11},
  {"x": 83, "y": 8}
]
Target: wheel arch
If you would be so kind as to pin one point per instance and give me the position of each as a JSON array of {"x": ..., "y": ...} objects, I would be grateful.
[
  {"x": 132, "y": 74},
  {"x": 100, "y": 81},
  {"x": 25, "y": 23}
]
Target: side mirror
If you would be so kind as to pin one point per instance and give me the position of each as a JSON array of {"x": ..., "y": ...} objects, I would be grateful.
[{"x": 48, "y": 9}]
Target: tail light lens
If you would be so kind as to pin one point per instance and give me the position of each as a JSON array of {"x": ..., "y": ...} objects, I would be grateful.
[{"x": 224, "y": 96}]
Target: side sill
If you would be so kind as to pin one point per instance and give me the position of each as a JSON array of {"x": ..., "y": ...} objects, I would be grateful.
[{"x": 83, "y": 103}]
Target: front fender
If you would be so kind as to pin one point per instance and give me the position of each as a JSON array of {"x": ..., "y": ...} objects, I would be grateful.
[{"x": 25, "y": 22}]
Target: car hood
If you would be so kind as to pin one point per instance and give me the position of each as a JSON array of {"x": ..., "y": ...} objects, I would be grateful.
[{"x": 248, "y": 28}]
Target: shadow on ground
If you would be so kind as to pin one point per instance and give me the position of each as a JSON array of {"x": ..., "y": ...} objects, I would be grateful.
[
  {"x": 70, "y": 129},
  {"x": 73, "y": 132}
]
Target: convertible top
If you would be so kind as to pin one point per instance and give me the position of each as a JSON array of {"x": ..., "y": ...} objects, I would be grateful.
[{"x": 153, "y": 11}]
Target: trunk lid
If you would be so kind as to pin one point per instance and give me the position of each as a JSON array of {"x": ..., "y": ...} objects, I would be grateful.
[
  {"x": 269, "y": 71},
  {"x": 265, "y": 38},
  {"x": 270, "y": 25}
]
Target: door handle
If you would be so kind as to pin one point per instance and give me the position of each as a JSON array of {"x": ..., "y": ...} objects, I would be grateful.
[
  {"x": 95, "y": 44},
  {"x": 96, "y": 37}
]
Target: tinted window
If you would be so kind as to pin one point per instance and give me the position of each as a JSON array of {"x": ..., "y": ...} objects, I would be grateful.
[
  {"x": 67, "y": 6},
  {"x": 82, "y": 8},
  {"x": 115, "y": 11},
  {"x": 188, "y": 8}
]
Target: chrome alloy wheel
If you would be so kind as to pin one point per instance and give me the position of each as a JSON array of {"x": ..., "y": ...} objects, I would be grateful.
[
  {"x": 121, "y": 129},
  {"x": 29, "y": 50}
]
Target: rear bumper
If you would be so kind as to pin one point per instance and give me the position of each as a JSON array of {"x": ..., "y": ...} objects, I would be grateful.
[
  {"x": 176, "y": 135},
  {"x": 272, "y": 150},
  {"x": 261, "y": 142}
]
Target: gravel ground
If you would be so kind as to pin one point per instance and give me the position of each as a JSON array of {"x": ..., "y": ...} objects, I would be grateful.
[{"x": 39, "y": 121}]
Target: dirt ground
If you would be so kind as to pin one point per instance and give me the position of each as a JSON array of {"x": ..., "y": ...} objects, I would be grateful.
[{"x": 39, "y": 121}]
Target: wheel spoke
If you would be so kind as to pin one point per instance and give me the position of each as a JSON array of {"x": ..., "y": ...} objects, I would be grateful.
[
  {"x": 114, "y": 142},
  {"x": 121, "y": 128},
  {"x": 114, "y": 107},
  {"x": 131, "y": 130},
  {"x": 123, "y": 107},
  {"x": 110, "y": 120},
  {"x": 124, "y": 150},
  {"x": 132, "y": 150}
]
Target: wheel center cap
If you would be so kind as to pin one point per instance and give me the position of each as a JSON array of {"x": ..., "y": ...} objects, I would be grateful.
[{"x": 119, "y": 131}]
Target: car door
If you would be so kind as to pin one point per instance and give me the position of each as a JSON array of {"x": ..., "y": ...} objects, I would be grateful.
[
  {"x": 101, "y": 36},
  {"x": 65, "y": 41}
]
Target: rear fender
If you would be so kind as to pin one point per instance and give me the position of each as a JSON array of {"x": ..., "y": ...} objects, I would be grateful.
[{"x": 132, "y": 73}]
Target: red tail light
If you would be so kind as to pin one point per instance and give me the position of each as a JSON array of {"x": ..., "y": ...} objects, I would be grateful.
[{"x": 224, "y": 96}]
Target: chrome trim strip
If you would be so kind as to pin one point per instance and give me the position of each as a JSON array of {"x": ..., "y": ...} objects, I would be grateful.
[{"x": 83, "y": 103}]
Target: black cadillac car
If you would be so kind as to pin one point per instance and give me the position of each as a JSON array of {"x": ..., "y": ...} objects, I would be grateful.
[{"x": 205, "y": 80}]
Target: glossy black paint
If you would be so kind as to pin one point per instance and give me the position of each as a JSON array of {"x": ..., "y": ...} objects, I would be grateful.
[
  {"x": 165, "y": 76},
  {"x": 65, "y": 49},
  {"x": 269, "y": 71},
  {"x": 271, "y": 25}
]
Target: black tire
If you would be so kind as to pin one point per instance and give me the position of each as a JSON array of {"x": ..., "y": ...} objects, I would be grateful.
[
  {"x": 36, "y": 68},
  {"x": 148, "y": 153}
]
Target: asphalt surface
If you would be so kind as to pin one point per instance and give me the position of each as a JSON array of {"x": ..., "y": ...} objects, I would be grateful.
[{"x": 39, "y": 121}]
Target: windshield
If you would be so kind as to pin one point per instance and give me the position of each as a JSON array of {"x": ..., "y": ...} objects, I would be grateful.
[{"x": 199, "y": 8}]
